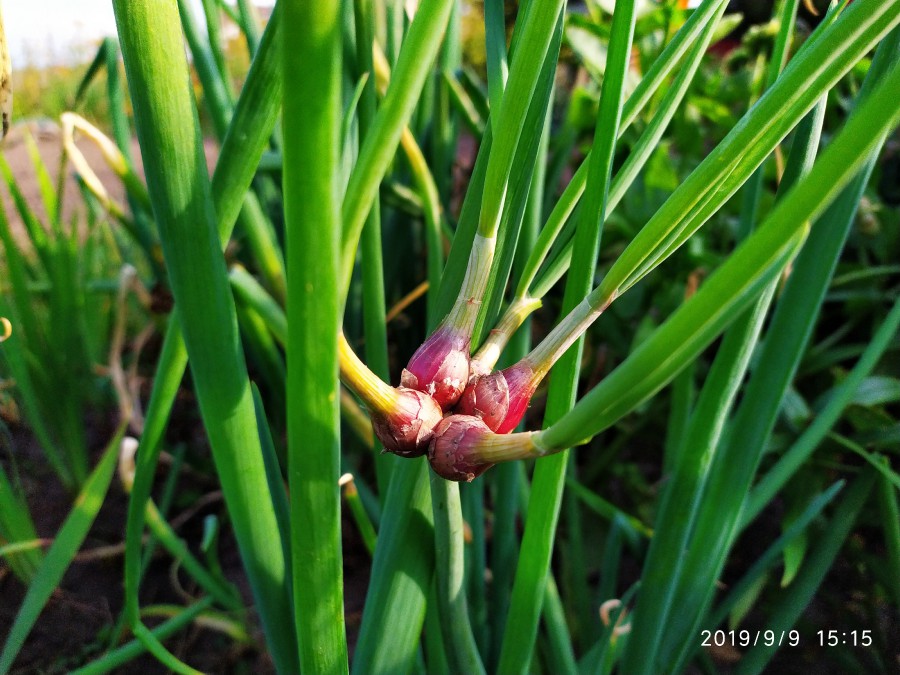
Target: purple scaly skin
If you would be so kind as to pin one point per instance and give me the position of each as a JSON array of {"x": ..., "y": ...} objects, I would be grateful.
[
  {"x": 440, "y": 367},
  {"x": 448, "y": 453},
  {"x": 500, "y": 398},
  {"x": 408, "y": 428},
  {"x": 403, "y": 419},
  {"x": 463, "y": 447}
]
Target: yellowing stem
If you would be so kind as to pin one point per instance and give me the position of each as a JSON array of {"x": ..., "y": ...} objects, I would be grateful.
[
  {"x": 378, "y": 396},
  {"x": 110, "y": 151},
  {"x": 495, "y": 448}
]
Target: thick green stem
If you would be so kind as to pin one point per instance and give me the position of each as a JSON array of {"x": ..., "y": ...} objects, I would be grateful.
[
  {"x": 459, "y": 641},
  {"x": 312, "y": 123},
  {"x": 543, "y": 512},
  {"x": 412, "y": 67},
  {"x": 177, "y": 181},
  {"x": 465, "y": 310},
  {"x": 564, "y": 335}
]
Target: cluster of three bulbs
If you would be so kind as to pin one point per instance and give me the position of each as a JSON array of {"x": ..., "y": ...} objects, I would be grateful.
[{"x": 446, "y": 409}]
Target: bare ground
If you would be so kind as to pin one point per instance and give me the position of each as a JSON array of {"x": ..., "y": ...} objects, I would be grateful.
[{"x": 48, "y": 137}]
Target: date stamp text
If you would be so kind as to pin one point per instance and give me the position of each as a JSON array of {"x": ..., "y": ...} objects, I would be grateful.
[
  {"x": 783, "y": 638},
  {"x": 749, "y": 638}
]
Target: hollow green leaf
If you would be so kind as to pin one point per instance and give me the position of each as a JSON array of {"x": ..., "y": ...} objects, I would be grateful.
[
  {"x": 168, "y": 130},
  {"x": 557, "y": 225},
  {"x": 544, "y": 505},
  {"x": 813, "y": 71},
  {"x": 395, "y": 602},
  {"x": 312, "y": 125},
  {"x": 409, "y": 73}
]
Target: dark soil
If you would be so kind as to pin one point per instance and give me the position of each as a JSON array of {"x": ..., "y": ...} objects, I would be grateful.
[
  {"x": 48, "y": 137},
  {"x": 80, "y": 621}
]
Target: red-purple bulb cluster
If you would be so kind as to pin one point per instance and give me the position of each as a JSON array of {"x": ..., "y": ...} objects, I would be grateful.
[{"x": 436, "y": 382}]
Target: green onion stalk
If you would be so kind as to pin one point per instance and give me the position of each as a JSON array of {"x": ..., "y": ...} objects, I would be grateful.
[
  {"x": 465, "y": 445},
  {"x": 440, "y": 367}
]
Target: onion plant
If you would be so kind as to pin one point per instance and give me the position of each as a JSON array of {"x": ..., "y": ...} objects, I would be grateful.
[
  {"x": 333, "y": 194},
  {"x": 58, "y": 306}
]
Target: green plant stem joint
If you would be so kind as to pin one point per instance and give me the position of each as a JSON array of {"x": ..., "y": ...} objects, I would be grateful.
[{"x": 440, "y": 367}]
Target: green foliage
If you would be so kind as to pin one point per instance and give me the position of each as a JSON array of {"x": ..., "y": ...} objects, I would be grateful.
[
  {"x": 60, "y": 317},
  {"x": 727, "y": 233},
  {"x": 49, "y": 92}
]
